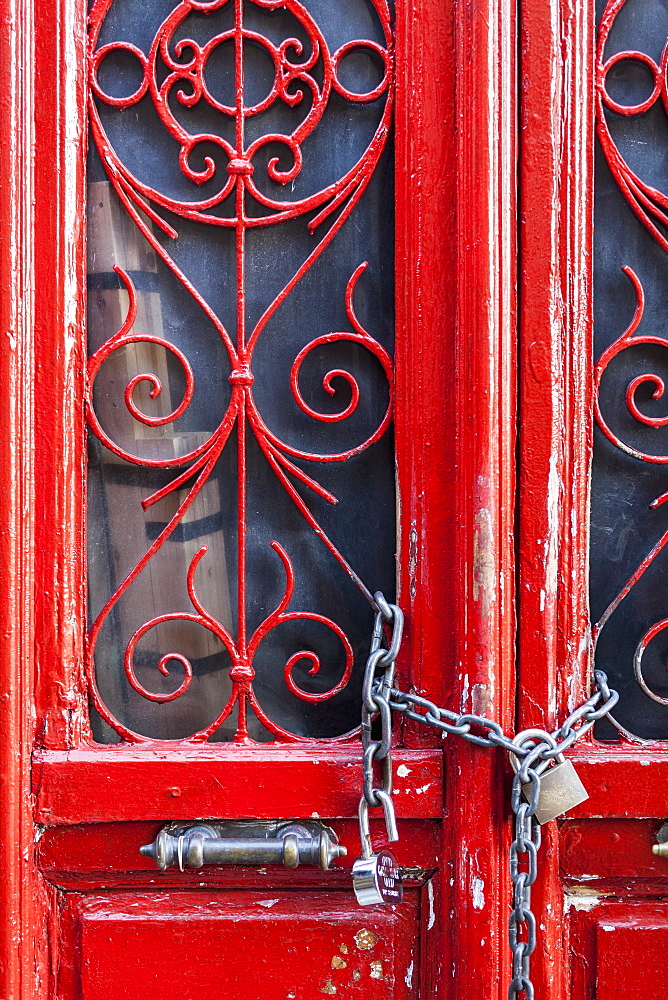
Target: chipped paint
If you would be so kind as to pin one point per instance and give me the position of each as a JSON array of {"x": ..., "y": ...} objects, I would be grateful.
[
  {"x": 464, "y": 697},
  {"x": 376, "y": 970},
  {"x": 481, "y": 699},
  {"x": 366, "y": 940},
  {"x": 412, "y": 553},
  {"x": 343, "y": 948},
  {"x": 430, "y": 896},
  {"x": 408, "y": 978},
  {"x": 585, "y": 901},
  {"x": 338, "y": 962},
  {"x": 413, "y": 872},
  {"x": 403, "y": 771},
  {"x": 478, "y": 892},
  {"x": 550, "y": 551},
  {"x": 357, "y": 975},
  {"x": 329, "y": 987},
  {"x": 267, "y": 902},
  {"x": 484, "y": 563}
]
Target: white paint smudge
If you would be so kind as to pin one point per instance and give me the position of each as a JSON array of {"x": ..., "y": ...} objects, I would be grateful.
[
  {"x": 403, "y": 771},
  {"x": 408, "y": 979},
  {"x": 268, "y": 902},
  {"x": 478, "y": 890},
  {"x": 464, "y": 700},
  {"x": 430, "y": 895}
]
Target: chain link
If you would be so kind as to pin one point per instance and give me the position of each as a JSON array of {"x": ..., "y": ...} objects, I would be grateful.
[
  {"x": 376, "y": 703},
  {"x": 534, "y": 749}
]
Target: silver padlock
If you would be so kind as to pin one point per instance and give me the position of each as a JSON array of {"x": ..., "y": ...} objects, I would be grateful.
[
  {"x": 560, "y": 787},
  {"x": 376, "y": 877}
]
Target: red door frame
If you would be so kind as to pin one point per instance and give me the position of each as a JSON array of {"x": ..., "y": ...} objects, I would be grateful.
[{"x": 456, "y": 447}]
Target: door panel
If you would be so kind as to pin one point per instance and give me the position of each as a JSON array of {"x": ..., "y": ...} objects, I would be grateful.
[
  {"x": 73, "y": 785},
  {"x": 241, "y": 944},
  {"x": 620, "y": 951},
  {"x": 97, "y": 855}
]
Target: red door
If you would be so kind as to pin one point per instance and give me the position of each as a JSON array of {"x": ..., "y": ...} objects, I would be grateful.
[
  {"x": 409, "y": 237},
  {"x": 591, "y": 534},
  {"x": 191, "y": 670}
]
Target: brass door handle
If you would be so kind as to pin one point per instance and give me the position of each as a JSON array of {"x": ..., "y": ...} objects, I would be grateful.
[
  {"x": 248, "y": 844},
  {"x": 661, "y": 846}
]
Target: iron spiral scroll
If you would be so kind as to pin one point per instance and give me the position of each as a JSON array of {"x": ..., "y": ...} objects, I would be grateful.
[
  {"x": 226, "y": 171},
  {"x": 650, "y": 206}
]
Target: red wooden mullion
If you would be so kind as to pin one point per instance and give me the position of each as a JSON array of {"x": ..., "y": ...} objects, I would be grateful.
[
  {"x": 555, "y": 321},
  {"x": 485, "y": 499},
  {"x": 58, "y": 434},
  {"x": 556, "y": 163}
]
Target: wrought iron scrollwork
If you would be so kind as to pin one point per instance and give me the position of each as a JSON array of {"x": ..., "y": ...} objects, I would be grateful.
[
  {"x": 650, "y": 206},
  {"x": 173, "y": 75}
]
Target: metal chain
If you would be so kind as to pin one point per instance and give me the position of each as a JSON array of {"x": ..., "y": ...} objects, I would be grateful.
[
  {"x": 532, "y": 748},
  {"x": 376, "y": 702}
]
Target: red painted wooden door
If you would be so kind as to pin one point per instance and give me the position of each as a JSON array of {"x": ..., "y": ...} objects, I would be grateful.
[
  {"x": 85, "y": 915},
  {"x": 589, "y": 591},
  {"x": 493, "y": 416}
]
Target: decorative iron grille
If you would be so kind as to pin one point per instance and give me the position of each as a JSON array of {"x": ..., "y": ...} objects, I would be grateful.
[
  {"x": 212, "y": 132},
  {"x": 630, "y": 481}
]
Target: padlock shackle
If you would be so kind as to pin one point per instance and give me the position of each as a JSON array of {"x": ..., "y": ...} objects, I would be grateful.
[
  {"x": 534, "y": 753},
  {"x": 365, "y": 832},
  {"x": 363, "y": 816}
]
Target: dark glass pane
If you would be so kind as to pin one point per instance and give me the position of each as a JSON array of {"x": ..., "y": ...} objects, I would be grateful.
[
  {"x": 264, "y": 328},
  {"x": 628, "y": 590}
]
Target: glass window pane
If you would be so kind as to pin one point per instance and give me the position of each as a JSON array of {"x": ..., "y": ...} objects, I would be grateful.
[
  {"x": 240, "y": 258},
  {"x": 629, "y": 521}
]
